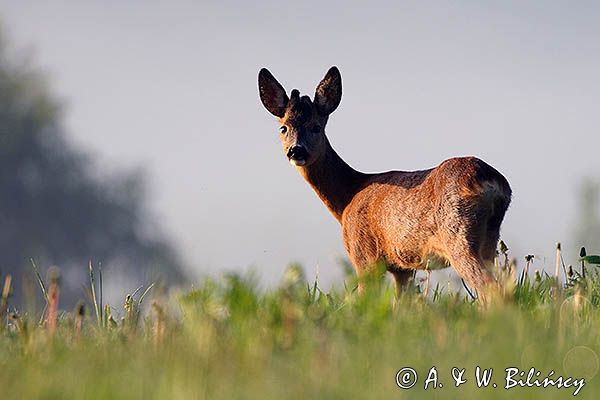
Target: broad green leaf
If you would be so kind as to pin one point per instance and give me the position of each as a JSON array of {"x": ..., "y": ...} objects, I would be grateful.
[{"x": 591, "y": 259}]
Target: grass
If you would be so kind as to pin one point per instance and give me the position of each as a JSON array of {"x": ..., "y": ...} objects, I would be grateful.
[{"x": 228, "y": 339}]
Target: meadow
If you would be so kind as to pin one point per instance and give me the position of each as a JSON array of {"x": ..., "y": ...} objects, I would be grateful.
[{"x": 230, "y": 339}]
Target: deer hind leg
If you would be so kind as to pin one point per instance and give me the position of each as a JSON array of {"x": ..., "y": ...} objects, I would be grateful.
[
  {"x": 492, "y": 231},
  {"x": 489, "y": 246},
  {"x": 472, "y": 231},
  {"x": 474, "y": 271},
  {"x": 465, "y": 255}
]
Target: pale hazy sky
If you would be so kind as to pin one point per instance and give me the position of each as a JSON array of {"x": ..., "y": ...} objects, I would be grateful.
[{"x": 172, "y": 86}]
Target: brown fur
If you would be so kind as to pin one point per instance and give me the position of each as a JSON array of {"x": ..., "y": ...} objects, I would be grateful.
[{"x": 450, "y": 214}]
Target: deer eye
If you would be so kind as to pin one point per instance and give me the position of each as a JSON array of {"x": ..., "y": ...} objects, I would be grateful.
[
  {"x": 283, "y": 129},
  {"x": 316, "y": 129}
]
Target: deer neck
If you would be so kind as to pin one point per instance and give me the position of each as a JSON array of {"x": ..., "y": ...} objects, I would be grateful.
[{"x": 335, "y": 182}]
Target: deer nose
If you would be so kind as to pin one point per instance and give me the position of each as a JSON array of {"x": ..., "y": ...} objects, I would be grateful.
[{"x": 297, "y": 153}]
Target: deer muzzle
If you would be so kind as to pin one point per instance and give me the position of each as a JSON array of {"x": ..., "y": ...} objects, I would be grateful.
[{"x": 297, "y": 155}]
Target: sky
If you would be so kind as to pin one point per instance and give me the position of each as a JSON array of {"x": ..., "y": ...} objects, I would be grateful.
[{"x": 171, "y": 87}]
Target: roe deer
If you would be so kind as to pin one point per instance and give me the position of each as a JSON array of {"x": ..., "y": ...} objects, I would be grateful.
[{"x": 450, "y": 214}]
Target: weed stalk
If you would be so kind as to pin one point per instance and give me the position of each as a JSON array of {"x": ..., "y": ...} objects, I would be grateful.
[{"x": 4, "y": 301}]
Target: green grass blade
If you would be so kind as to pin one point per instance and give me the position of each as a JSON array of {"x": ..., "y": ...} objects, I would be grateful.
[
  {"x": 40, "y": 280},
  {"x": 144, "y": 294},
  {"x": 94, "y": 299}
]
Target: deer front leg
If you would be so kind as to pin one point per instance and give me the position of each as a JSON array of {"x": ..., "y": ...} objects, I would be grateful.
[
  {"x": 401, "y": 279},
  {"x": 364, "y": 254},
  {"x": 368, "y": 274}
]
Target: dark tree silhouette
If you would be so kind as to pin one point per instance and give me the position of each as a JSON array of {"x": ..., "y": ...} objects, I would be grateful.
[{"x": 54, "y": 206}]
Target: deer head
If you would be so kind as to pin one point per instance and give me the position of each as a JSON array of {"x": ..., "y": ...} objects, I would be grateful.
[{"x": 302, "y": 120}]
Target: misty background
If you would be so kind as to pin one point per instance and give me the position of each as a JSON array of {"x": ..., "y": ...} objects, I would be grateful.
[{"x": 169, "y": 89}]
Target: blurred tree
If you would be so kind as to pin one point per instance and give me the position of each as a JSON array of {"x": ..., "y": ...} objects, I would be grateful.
[
  {"x": 588, "y": 222},
  {"x": 54, "y": 208}
]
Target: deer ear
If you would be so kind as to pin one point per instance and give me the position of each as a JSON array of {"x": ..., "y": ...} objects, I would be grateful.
[
  {"x": 329, "y": 92},
  {"x": 272, "y": 94}
]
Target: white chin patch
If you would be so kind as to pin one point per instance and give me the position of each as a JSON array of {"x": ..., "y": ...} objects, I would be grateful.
[{"x": 297, "y": 163}]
